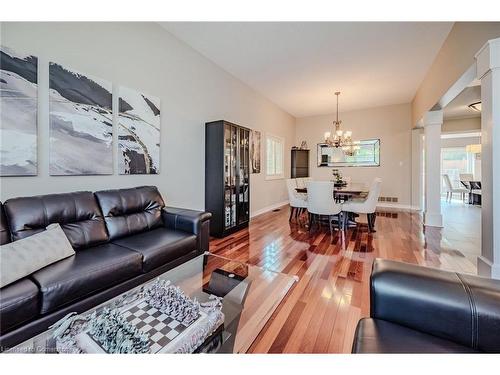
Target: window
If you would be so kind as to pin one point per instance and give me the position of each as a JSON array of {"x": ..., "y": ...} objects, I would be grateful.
[
  {"x": 454, "y": 161},
  {"x": 274, "y": 157}
]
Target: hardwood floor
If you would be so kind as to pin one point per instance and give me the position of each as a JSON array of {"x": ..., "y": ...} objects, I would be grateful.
[
  {"x": 320, "y": 313},
  {"x": 462, "y": 228}
]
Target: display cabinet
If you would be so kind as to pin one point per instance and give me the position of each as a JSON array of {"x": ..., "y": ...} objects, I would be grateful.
[{"x": 227, "y": 177}]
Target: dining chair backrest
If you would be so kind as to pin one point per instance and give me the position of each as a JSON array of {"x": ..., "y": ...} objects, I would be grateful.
[
  {"x": 302, "y": 182},
  {"x": 295, "y": 201},
  {"x": 320, "y": 200},
  {"x": 447, "y": 182},
  {"x": 466, "y": 177},
  {"x": 291, "y": 184},
  {"x": 373, "y": 195}
]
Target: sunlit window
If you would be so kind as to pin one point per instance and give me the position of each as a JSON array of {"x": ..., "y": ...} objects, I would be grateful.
[
  {"x": 274, "y": 157},
  {"x": 454, "y": 161}
]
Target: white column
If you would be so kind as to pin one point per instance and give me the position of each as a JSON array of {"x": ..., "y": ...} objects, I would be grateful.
[
  {"x": 417, "y": 161},
  {"x": 432, "y": 132},
  {"x": 488, "y": 71}
]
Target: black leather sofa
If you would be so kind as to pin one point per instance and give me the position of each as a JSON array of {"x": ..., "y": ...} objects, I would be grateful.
[
  {"x": 122, "y": 238},
  {"x": 416, "y": 309}
]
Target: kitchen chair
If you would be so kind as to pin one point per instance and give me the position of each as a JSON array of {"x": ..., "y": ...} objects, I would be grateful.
[
  {"x": 466, "y": 177},
  {"x": 450, "y": 189}
]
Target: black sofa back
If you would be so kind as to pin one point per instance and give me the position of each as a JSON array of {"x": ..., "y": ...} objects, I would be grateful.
[
  {"x": 4, "y": 229},
  {"x": 78, "y": 214},
  {"x": 130, "y": 211}
]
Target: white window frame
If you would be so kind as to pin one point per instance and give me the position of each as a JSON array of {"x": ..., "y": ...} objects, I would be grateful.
[{"x": 281, "y": 140}]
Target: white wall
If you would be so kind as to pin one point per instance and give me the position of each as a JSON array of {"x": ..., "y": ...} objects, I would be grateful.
[
  {"x": 192, "y": 89},
  {"x": 453, "y": 59},
  {"x": 391, "y": 124},
  {"x": 461, "y": 125},
  {"x": 459, "y": 142}
]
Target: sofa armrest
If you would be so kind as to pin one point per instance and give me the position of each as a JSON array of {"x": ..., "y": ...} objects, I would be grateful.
[
  {"x": 457, "y": 307},
  {"x": 190, "y": 221}
]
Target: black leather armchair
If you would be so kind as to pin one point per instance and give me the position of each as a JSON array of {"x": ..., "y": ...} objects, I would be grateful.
[{"x": 416, "y": 309}]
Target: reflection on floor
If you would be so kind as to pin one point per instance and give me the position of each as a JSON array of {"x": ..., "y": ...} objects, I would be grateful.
[
  {"x": 462, "y": 228},
  {"x": 320, "y": 313}
]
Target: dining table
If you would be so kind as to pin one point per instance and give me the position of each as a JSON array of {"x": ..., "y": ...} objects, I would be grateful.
[
  {"x": 350, "y": 190},
  {"x": 344, "y": 192}
]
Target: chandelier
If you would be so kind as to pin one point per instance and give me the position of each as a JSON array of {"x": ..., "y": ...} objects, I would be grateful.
[{"x": 340, "y": 138}]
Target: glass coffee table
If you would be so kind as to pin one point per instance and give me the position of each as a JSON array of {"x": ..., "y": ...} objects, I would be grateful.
[{"x": 249, "y": 295}]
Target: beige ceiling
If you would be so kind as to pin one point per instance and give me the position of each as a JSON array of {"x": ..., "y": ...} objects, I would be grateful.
[
  {"x": 459, "y": 107},
  {"x": 299, "y": 65}
]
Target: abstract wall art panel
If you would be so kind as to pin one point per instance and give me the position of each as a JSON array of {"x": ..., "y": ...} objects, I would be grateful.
[
  {"x": 255, "y": 139},
  {"x": 81, "y": 123},
  {"x": 138, "y": 133},
  {"x": 18, "y": 113}
]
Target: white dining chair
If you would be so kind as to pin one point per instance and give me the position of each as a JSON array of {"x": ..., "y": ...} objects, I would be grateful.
[
  {"x": 450, "y": 190},
  {"x": 320, "y": 202},
  {"x": 302, "y": 182},
  {"x": 298, "y": 202},
  {"x": 367, "y": 206}
]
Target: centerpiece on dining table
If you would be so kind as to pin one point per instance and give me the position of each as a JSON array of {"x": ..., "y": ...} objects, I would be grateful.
[{"x": 338, "y": 178}]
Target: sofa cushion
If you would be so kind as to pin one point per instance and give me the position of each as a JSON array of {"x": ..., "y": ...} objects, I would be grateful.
[
  {"x": 88, "y": 271},
  {"x": 21, "y": 258},
  {"x": 380, "y": 336},
  {"x": 19, "y": 302},
  {"x": 78, "y": 214},
  {"x": 130, "y": 211},
  {"x": 4, "y": 229},
  {"x": 159, "y": 246}
]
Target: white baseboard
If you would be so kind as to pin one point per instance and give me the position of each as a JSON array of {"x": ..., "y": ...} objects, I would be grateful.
[
  {"x": 268, "y": 208},
  {"x": 398, "y": 206}
]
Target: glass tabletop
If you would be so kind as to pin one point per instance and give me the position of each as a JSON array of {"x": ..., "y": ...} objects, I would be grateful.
[{"x": 250, "y": 294}]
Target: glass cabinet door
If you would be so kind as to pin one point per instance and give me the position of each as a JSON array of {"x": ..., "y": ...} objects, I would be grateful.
[
  {"x": 230, "y": 139},
  {"x": 243, "y": 176}
]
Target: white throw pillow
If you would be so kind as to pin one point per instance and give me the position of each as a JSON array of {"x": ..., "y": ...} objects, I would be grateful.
[{"x": 21, "y": 258}]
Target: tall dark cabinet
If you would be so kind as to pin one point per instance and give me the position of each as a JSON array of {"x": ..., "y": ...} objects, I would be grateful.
[
  {"x": 227, "y": 177},
  {"x": 300, "y": 163}
]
